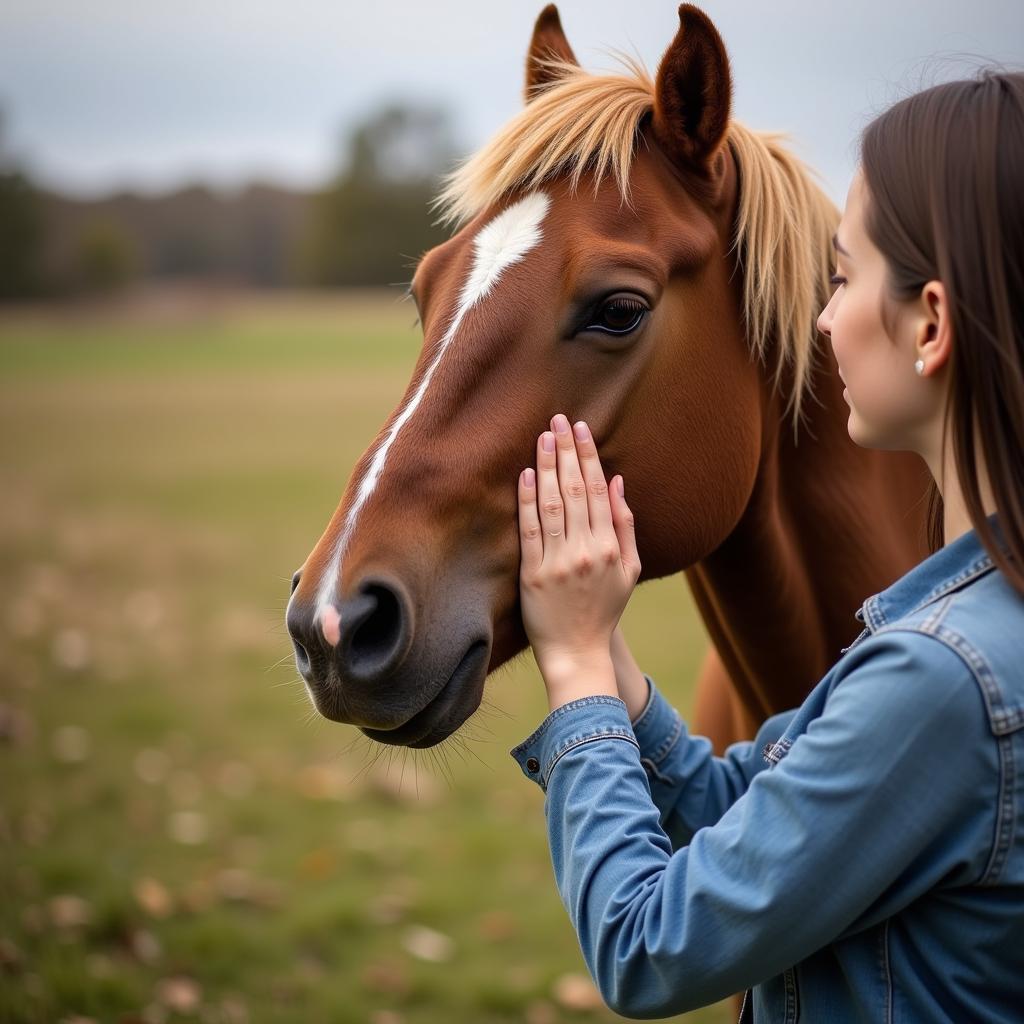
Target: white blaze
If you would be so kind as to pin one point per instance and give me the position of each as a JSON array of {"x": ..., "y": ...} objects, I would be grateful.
[{"x": 500, "y": 243}]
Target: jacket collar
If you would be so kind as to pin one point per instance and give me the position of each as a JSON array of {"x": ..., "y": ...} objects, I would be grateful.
[{"x": 948, "y": 569}]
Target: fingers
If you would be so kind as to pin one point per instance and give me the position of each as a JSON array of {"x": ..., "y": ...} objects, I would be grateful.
[
  {"x": 570, "y": 480},
  {"x": 568, "y": 499},
  {"x": 624, "y": 529},
  {"x": 530, "y": 541},
  {"x": 593, "y": 479},
  {"x": 549, "y": 496}
]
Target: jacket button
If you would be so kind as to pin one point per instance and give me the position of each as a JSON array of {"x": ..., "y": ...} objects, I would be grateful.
[{"x": 532, "y": 765}]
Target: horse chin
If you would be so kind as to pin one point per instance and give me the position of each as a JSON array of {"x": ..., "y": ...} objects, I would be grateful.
[{"x": 454, "y": 703}]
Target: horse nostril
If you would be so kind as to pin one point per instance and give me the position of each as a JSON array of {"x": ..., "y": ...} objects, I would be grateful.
[
  {"x": 302, "y": 660},
  {"x": 297, "y": 621},
  {"x": 295, "y": 579},
  {"x": 377, "y": 628}
]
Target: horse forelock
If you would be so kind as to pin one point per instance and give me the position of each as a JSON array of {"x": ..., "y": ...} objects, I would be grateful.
[{"x": 586, "y": 122}]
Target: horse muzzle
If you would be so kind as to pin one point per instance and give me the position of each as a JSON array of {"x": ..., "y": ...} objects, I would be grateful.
[{"x": 364, "y": 665}]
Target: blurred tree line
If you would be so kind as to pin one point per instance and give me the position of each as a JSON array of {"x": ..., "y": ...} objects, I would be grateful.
[{"x": 364, "y": 227}]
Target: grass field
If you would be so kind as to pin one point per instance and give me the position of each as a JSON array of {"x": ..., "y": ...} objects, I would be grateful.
[{"x": 180, "y": 839}]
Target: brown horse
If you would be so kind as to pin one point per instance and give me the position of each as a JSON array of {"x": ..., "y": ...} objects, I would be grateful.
[{"x": 630, "y": 255}]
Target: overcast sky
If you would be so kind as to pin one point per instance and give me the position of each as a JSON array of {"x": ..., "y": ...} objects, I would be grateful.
[{"x": 100, "y": 94}]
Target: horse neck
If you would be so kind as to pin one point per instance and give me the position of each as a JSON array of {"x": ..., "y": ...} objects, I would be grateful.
[{"x": 827, "y": 524}]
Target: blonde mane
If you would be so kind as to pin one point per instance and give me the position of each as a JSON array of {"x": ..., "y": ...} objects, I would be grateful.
[{"x": 784, "y": 224}]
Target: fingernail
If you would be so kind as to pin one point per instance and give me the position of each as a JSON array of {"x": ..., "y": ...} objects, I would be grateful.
[
  {"x": 581, "y": 431},
  {"x": 527, "y": 477},
  {"x": 547, "y": 441},
  {"x": 622, "y": 491},
  {"x": 561, "y": 424}
]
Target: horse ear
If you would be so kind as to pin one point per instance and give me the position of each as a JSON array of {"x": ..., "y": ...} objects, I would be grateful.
[
  {"x": 548, "y": 43},
  {"x": 693, "y": 93}
]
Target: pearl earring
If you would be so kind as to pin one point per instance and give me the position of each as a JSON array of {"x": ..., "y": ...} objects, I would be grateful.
[{"x": 919, "y": 366}]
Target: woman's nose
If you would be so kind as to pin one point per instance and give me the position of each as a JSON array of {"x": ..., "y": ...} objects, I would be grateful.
[{"x": 825, "y": 322}]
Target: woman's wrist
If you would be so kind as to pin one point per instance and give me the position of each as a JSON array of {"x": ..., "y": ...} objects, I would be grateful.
[
  {"x": 568, "y": 676},
  {"x": 629, "y": 679}
]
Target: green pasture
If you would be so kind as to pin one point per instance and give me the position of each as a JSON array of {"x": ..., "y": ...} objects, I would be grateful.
[{"x": 180, "y": 839}]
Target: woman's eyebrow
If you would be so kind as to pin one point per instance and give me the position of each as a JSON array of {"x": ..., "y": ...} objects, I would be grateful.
[{"x": 839, "y": 248}]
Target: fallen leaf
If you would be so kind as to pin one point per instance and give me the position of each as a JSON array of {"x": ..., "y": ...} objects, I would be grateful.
[
  {"x": 187, "y": 828},
  {"x": 388, "y": 908},
  {"x": 577, "y": 992},
  {"x": 68, "y": 911},
  {"x": 71, "y": 650},
  {"x": 427, "y": 944},
  {"x": 153, "y": 897},
  {"x": 145, "y": 946},
  {"x": 180, "y": 994},
  {"x": 152, "y": 765}
]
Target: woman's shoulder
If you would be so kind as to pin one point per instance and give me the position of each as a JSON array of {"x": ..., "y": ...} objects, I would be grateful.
[{"x": 974, "y": 634}]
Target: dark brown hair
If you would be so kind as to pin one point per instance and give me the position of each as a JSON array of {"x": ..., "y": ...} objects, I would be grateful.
[{"x": 944, "y": 171}]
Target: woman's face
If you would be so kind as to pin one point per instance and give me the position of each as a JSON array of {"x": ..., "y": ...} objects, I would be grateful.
[{"x": 888, "y": 406}]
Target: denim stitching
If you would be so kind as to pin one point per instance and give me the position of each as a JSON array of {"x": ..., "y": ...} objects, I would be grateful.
[
  {"x": 870, "y": 607},
  {"x": 930, "y": 624},
  {"x": 1008, "y": 811},
  {"x": 789, "y": 982},
  {"x": 665, "y": 747},
  {"x": 1003, "y": 720},
  {"x": 1003, "y": 723},
  {"x": 976, "y": 568},
  {"x": 876, "y": 617},
  {"x": 579, "y": 742},
  {"x": 560, "y": 711},
  {"x": 774, "y": 752}
]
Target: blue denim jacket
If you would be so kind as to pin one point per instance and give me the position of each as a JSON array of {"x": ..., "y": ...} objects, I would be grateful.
[{"x": 862, "y": 859}]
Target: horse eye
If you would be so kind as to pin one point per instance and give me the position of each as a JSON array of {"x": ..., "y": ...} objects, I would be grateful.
[{"x": 618, "y": 315}]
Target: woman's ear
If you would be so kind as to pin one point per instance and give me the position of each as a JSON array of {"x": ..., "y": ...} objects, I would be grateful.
[
  {"x": 934, "y": 333},
  {"x": 693, "y": 94},
  {"x": 548, "y": 44}
]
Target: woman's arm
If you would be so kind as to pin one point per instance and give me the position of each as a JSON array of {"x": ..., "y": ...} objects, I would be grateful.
[
  {"x": 889, "y": 792},
  {"x": 689, "y": 785},
  {"x": 629, "y": 679}
]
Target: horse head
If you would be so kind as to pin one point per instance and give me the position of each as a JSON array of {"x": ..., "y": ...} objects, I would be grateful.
[{"x": 597, "y": 269}]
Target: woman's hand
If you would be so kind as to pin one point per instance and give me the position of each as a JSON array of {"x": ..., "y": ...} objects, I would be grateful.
[{"x": 579, "y": 562}]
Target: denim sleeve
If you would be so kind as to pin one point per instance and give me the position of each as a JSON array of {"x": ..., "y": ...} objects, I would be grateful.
[
  {"x": 888, "y": 792},
  {"x": 689, "y": 785}
]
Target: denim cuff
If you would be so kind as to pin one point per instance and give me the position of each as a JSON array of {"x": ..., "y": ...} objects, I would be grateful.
[
  {"x": 580, "y": 721},
  {"x": 658, "y": 727}
]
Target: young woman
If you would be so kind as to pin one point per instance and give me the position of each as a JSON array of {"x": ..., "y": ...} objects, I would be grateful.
[{"x": 863, "y": 858}]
